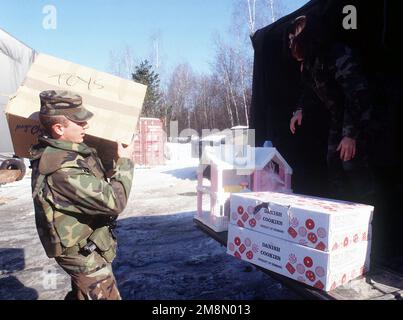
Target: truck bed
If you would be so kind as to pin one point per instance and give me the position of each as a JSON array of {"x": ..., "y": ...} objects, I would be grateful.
[{"x": 381, "y": 283}]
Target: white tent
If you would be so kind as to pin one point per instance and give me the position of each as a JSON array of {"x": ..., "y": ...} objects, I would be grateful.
[{"x": 15, "y": 60}]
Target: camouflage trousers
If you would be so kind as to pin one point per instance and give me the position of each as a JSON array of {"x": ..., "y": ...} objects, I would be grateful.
[
  {"x": 91, "y": 277},
  {"x": 349, "y": 180}
]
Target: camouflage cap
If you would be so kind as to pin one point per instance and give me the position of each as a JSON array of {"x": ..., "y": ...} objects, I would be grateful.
[{"x": 64, "y": 103}]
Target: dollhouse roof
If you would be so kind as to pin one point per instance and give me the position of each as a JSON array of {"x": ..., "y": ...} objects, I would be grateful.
[
  {"x": 265, "y": 155},
  {"x": 256, "y": 159}
]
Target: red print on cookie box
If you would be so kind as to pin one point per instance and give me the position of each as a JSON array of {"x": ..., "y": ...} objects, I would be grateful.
[
  {"x": 307, "y": 232},
  {"x": 294, "y": 222},
  {"x": 292, "y": 232},
  {"x": 320, "y": 246},
  {"x": 319, "y": 285},
  {"x": 312, "y": 237},
  {"x": 321, "y": 233},
  {"x": 300, "y": 268},
  {"x": 290, "y": 268},
  {"x": 252, "y": 223},
  {"x": 306, "y": 272},
  {"x": 310, "y": 275},
  {"x": 241, "y": 247},
  {"x": 244, "y": 217},
  {"x": 310, "y": 224},
  {"x": 240, "y": 210},
  {"x": 308, "y": 262},
  {"x": 292, "y": 258},
  {"x": 302, "y": 231}
]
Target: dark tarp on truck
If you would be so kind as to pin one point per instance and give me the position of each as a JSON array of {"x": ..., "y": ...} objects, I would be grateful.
[{"x": 276, "y": 80}]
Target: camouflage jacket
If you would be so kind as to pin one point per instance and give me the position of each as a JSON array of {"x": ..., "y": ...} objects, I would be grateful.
[
  {"x": 72, "y": 196},
  {"x": 339, "y": 83}
]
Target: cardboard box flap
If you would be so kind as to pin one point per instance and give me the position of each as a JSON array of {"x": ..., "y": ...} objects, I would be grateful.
[{"x": 322, "y": 205}]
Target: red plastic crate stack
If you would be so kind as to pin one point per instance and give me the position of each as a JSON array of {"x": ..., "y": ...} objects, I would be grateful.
[{"x": 149, "y": 142}]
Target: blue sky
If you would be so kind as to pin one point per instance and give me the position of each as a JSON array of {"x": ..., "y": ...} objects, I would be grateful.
[{"x": 88, "y": 30}]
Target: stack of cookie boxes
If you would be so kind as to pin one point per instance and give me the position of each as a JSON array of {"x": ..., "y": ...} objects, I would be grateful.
[{"x": 323, "y": 243}]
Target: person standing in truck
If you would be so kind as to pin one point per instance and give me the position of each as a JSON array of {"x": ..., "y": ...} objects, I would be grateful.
[{"x": 332, "y": 71}]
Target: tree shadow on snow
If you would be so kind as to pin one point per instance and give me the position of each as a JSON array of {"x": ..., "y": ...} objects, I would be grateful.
[
  {"x": 188, "y": 173},
  {"x": 167, "y": 257},
  {"x": 12, "y": 260}
]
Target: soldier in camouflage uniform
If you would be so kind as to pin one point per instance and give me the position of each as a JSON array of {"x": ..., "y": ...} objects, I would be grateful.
[
  {"x": 332, "y": 71},
  {"x": 75, "y": 204}
]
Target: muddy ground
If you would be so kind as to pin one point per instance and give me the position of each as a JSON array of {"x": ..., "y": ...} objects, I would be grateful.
[{"x": 162, "y": 254}]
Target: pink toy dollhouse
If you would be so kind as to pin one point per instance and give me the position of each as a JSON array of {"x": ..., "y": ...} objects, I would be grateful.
[{"x": 261, "y": 169}]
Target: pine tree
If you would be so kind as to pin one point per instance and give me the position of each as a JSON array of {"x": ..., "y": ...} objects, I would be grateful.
[{"x": 152, "y": 103}]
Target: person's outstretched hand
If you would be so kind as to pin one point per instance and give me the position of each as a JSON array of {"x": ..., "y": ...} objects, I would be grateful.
[
  {"x": 126, "y": 152},
  {"x": 297, "y": 118},
  {"x": 347, "y": 148}
]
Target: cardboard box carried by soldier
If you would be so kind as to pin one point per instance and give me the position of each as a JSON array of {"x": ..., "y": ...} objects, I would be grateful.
[{"x": 115, "y": 102}]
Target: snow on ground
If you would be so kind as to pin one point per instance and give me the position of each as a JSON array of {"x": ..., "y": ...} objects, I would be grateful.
[{"x": 161, "y": 255}]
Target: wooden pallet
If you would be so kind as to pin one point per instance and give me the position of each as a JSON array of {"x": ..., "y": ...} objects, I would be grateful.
[{"x": 381, "y": 283}]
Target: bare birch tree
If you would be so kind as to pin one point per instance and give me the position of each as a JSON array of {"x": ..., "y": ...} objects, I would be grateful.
[
  {"x": 122, "y": 62},
  {"x": 222, "y": 99},
  {"x": 179, "y": 93},
  {"x": 256, "y": 14},
  {"x": 157, "y": 56},
  {"x": 252, "y": 15},
  {"x": 225, "y": 69}
]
